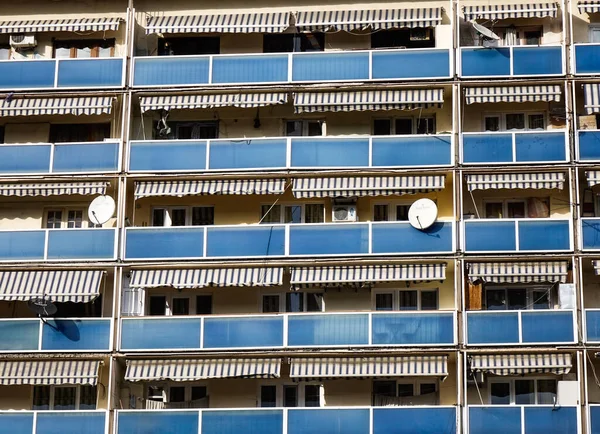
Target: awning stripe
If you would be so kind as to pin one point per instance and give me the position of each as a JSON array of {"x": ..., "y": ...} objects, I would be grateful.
[
  {"x": 54, "y": 189},
  {"x": 516, "y": 181},
  {"x": 373, "y": 19},
  {"x": 591, "y": 93},
  {"x": 49, "y": 372},
  {"x": 515, "y": 364},
  {"x": 77, "y": 286},
  {"x": 222, "y": 186},
  {"x": 545, "y": 93},
  {"x": 596, "y": 265},
  {"x": 201, "y": 369},
  {"x": 589, "y": 6},
  {"x": 310, "y": 102},
  {"x": 519, "y": 272},
  {"x": 504, "y": 11},
  {"x": 593, "y": 177},
  {"x": 96, "y": 105},
  {"x": 368, "y": 367},
  {"x": 265, "y": 22},
  {"x": 366, "y": 186},
  {"x": 61, "y": 25},
  {"x": 200, "y": 278},
  {"x": 242, "y": 100}
]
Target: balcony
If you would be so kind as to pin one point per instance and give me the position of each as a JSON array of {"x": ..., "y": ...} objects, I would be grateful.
[
  {"x": 60, "y": 158},
  {"x": 425, "y": 328},
  {"x": 266, "y": 68},
  {"x": 58, "y": 245},
  {"x": 514, "y": 147},
  {"x": 588, "y": 145},
  {"x": 587, "y": 59},
  {"x": 350, "y": 420},
  {"x": 520, "y": 327},
  {"x": 53, "y": 422},
  {"x": 521, "y": 61},
  {"x": 517, "y": 419},
  {"x": 291, "y": 153},
  {"x": 592, "y": 326},
  {"x": 517, "y": 235},
  {"x": 590, "y": 233},
  {"x": 95, "y": 73}
]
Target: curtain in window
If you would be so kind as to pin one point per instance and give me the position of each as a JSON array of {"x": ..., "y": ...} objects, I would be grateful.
[
  {"x": 510, "y": 36},
  {"x": 538, "y": 208}
]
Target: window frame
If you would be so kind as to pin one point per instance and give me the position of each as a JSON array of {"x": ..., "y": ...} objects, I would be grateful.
[
  {"x": 94, "y": 47},
  {"x": 592, "y": 28},
  {"x": 169, "y": 296},
  {"x": 414, "y": 121},
  {"x": 511, "y": 381},
  {"x": 392, "y": 208},
  {"x": 415, "y": 382},
  {"x": 305, "y": 127},
  {"x": 53, "y": 387},
  {"x": 168, "y": 209},
  {"x": 64, "y": 221},
  {"x": 279, "y": 396},
  {"x": 502, "y": 120},
  {"x": 282, "y": 302},
  {"x": 166, "y": 387},
  {"x": 396, "y": 299},
  {"x": 505, "y": 203},
  {"x": 282, "y": 206},
  {"x": 529, "y": 297}
]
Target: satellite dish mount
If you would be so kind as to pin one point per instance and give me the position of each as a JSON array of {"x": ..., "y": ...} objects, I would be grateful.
[
  {"x": 43, "y": 308},
  {"x": 422, "y": 214}
]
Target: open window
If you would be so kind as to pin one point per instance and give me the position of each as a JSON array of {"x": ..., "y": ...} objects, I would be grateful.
[
  {"x": 166, "y": 395},
  {"x": 189, "y": 45},
  {"x": 184, "y": 130},
  {"x": 183, "y": 216},
  {"x": 403, "y": 38}
]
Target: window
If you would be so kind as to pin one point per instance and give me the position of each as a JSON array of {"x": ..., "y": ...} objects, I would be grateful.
[
  {"x": 189, "y": 45},
  {"x": 177, "y": 394},
  {"x": 387, "y": 212},
  {"x": 199, "y": 130},
  {"x": 594, "y": 33},
  {"x": 84, "y": 48},
  {"x": 404, "y": 125},
  {"x": 522, "y": 391},
  {"x": 293, "y": 302},
  {"x": 183, "y": 216},
  {"x": 291, "y": 395},
  {"x": 514, "y": 298},
  {"x": 268, "y": 396},
  {"x": 406, "y": 299},
  {"x": 62, "y": 133},
  {"x": 514, "y": 121},
  {"x": 293, "y": 42},
  {"x": 68, "y": 218},
  {"x": 176, "y": 304},
  {"x": 534, "y": 207},
  {"x": 405, "y": 392},
  {"x": 203, "y": 304},
  {"x": 60, "y": 398},
  {"x": 303, "y": 213},
  {"x": 158, "y": 305},
  {"x": 304, "y": 128},
  {"x": 405, "y": 38},
  {"x": 518, "y": 35}
]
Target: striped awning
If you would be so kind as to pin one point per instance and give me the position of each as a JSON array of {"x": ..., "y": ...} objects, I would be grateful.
[
  {"x": 591, "y": 102},
  {"x": 61, "y": 25},
  {"x": 366, "y": 186},
  {"x": 519, "y": 272},
  {"x": 589, "y": 6},
  {"x": 200, "y": 278},
  {"x": 367, "y": 367},
  {"x": 265, "y": 22},
  {"x": 515, "y": 364},
  {"x": 93, "y": 105},
  {"x": 201, "y": 369},
  {"x": 54, "y": 189},
  {"x": 593, "y": 177},
  {"x": 220, "y": 186},
  {"x": 205, "y": 101},
  {"x": 596, "y": 265},
  {"x": 311, "y": 102},
  {"x": 307, "y": 277},
  {"x": 77, "y": 286},
  {"x": 372, "y": 19},
  {"x": 545, "y": 93},
  {"x": 49, "y": 372},
  {"x": 504, "y": 11},
  {"x": 536, "y": 181}
]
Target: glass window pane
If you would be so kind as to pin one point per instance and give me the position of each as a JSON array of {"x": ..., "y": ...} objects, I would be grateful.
[
  {"x": 312, "y": 395},
  {"x": 382, "y": 127},
  {"x": 516, "y": 210},
  {"x": 64, "y": 398},
  {"x": 426, "y": 125},
  {"x": 492, "y": 123},
  {"x": 157, "y": 304},
  {"x": 495, "y": 299},
  {"x": 203, "y": 304},
  {"x": 158, "y": 217},
  {"x": 427, "y": 388},
  {"x": 536, "y": 122},
  {"x": 203, "y": 215},
  {"x": 270, "y": 215},
  {"x": 524, "y": 392},
  {"x": 54, "y": 219},
  {"x": 74, "y": 219},
  {"x": 384, "y": 301},
  {"x": 293, "y": 214},
  {"x": 270, "y": 303},
  {"x": 406, "y": 390},
  {"x": 199, "y": 392},
  {"x": 515, "y": 121},
  {"x": 290, "y": 396},
  {"x": 408, "y": 300},
  {"x": 315, "y": 213},
  {"x": 181, "y": 306},
  {"x": 595, "y": 35},
  {"x": 402, "y": 213},
  {"x": 384, "y": 388},
  {"x": 293, "y": 128},
  {"x": 546, "y": 392},
  {"x": 87, "y": 397},
  {"x": 104, "y": 51},
  {"x": 84, "y": 52},
  {"x": 500, "y": 393},
  {"x": 517, "y": 298},
  {"x": 177, "y": 394},
  {"x": 404, "y": 126},
  {"x": 314, "y": 302},
  {"x": 380, "y": 213},
  {"x": 540, "y": 299},
  {"x": 294, "y": 302},
  {"x": 41, "y": 398},
  {"x": 268, "y": 396},
  {"x": 429, "y": 300},
  {"x": 533, "y": 37},
  {"x": 178, "y": 217},
  {"x": 62, "y": 53},
  {"x": 315, "y": 128},
  {"x": 493, "y": 210}
]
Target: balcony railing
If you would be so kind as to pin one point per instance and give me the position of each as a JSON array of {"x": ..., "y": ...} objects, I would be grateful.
[
  {"x": 587, "y": 59},
  {"x": 319, "y": 239},
  {"x": 517, "y": 235},
  {"x": 594, "y": 418},
  {"x": 592, "y": 325},
  {"x": 367, "y": 65},
  {"x": 62, "y": 73},
  {"x": 52, "y": 422},
  {"x": 590, "y": 233},
  {"x": 588, "y": 145},
  {"x": 331, "y": 420},
  {"x": 291, "y": 153},
  {"x": 58, "y": 244},
  {"x": 332, "y": 329},
  {"x": 520, "y": 61},
  {"x": 496, "y": 419},
  {"x": 514, "y": 147},
  {"x": 60, "y": 158},
  {"x": 527, "y": 327}
]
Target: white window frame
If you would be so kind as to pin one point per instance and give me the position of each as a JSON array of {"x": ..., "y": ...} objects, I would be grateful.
[
  {"x": 305, "y": 124},
  {"x": 529, "y": 299},
  {"x": 282, "y": 297},
  {"x": 170, "y": 208},
  {"x": 391, "y": 204},
  {"x": 505, "y": 203},
  {"x": 511, "y": 381},
  {"x": 282, "y": 207},
  {"x": 169, "y": 296},
  {"x": 593, "y": 27},
  {"x": 525, "y": 113},
  {"x": 414, "y": 121},
  {"x": 53, "y": 388},
  {"x": 396, "y": 298},
  {"x": 166, "y": 387},
  {"x": 416, "y": 383},
  {"x": 301, "y": 392},
  {"x": 64, "y": 221}
]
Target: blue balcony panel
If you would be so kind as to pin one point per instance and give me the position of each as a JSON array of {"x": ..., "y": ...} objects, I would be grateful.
[
  {"x": 537, "y": 61},
  {"x": 86, "y": 157},
  {"x": 544, "y": 235},
  {"x": 330, "y": 66},
  {"x": 487, "y": 148},
  {"x": 592, "y": 326},
  {"x": 486, "y": 420},
  {"x": 72, "y": 422},
  {"x": 330, "y": 152},
  {"x": 547, "y": 326},
  {"x": 164, "y": 243},
  {"x": 531, "y": 147},
  {"x": 27, "y": 74},
  {"x": 171, "y": 71},
  {"x": 156, "y": 334},
  {"x": 250, "y": 69},
  {"x": 490, "y": 236},
  {"x": 412, "y": 151},
  {"x": 493, "y": 328},
  {"x": 240, "y": 421},
  {"x": 414, "y": 420},
  {"x": 413, "y": 329},
  {"x": 248, "y": 154},
  {"x": 170, "y": 155},
  {"x": 550, "y": 420},
  {"x": 590, "y": 229},
  {"x": 81, "y": 244},
  {"x": 257, "y": 332},
  {"x": 403, "y": 238},
  {"x": 594, "y": 419},
  {"x": 24, "y": 159},
  {"x": 22, "y": 245},
  {"x": 328, "y": 330},
  {"x": 406, "y": 64},
  {"x": 481, "y": 62},
  {"x": 333, "y": 239},
  {"x": 19, "y": 335},
  {"x": 587, "y": 59},
  {"x": 16, "y": 423},
  {"x": 90, "y": 72},
  {"x": 159, "y": 422},
  {"x": 589, "y": 145},
  {"x": 76, "y": 335},
  {"x": 245, "y": 241},
  {"x": 330, "y": 421}
]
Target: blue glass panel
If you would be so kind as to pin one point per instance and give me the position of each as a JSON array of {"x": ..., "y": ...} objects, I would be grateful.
[
  {"x": 590, "y": 229},
  {"x": 493, "y": 328},
  {"x": 587, "y": 59},
  {"x": 330, "y": 421},
  {"x": 327, "y": 329},
  {"x": 550, "y": 420},
  {"x": 403, "y": 238},
  {"x": 81, "y": 244},
  {"x": 16, "y": 245},
  {"x": 329, "y": 239},
  {"x": 16, "y": 74},
  {"x": 485, "y": 62},
  {"x": 265, "y": 68},
  {"x": 163, "y": 333},
  {"x": 490, "y": 236},
  {"x": 79, "y": 422},
  {"x": 589, "y": 145},
  {"x": 411, "y": 64},
  {"x": 537, "y": 60},
  {"x": 19, "y": 335},
  {"x": 75, "y": 335},
  {"x": 16, "y": 423},
  {"x": 553, "y": 326},
  {"x": 158, "y": 422},
  {"x": 243, "y": 332},
  {"x": 592, "y": 325},
  {"x": 167, "y": 155},
  {"x": 241, "y": 421},
  {"x": 90, "y": 72},
  {"x": 86, "y": 157},
  {"x": 594, "y": 419},
  {"x": 540, "y": 147},
  {"x": 171, "y": 70},
  {"x": 414, "y": 420},
  {"x": 413, "y": 329},
  {"x": 412, "y": 151},
  {"x": 330, "y": 66},
  {"x": 25, "y": 159},
  {"x": 248, "y": 154},
  {"x": 330, "y": 152},
  {"x": 261, "y": 240},
  {"x": 487, "y": 148},
  {"x": 495, "y": 420},
  {"x": 544, "y": 235},
  {"x": 164, "y": 243}
]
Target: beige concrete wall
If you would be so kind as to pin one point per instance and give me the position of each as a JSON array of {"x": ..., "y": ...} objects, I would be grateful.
[
  {"x": 581, "y": 22},
  {"x": 24, "y": 133},
  {"x": 16, "y": 397},
  {"x": 591, "y": 286}
]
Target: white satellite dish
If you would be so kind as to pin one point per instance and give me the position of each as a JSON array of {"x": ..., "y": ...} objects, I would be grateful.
[
  {"x": 485, "y": 32},
  {"x": 422, "y": 214},
  {"x": 101, "y": 209}
]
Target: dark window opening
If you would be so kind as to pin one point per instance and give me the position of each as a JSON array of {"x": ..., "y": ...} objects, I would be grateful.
[
  {"x": 382, "y": 127},
  {"x": 293, "y": 43},
  {"x": 203, "y": 304},
  {"x": 181, "y": 306},
  {"x": 407, "y": 38},
  {"x": 93, "y": 309},
  {"x": 177, "y": 394},
  {"x": 62, "y": 133},
  {"x": 157, "y": 305},
  {"x": 268, "y": 396},
  {"x": 189, "y": 46},
  {"x": 203, "y": 130},
  {"x": 1, "y": 134},
  {"x": 203, "y": 216}
]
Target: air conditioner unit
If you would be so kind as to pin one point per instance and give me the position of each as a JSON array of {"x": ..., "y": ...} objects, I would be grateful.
[
  {"x": 22, "y": 41},
  {"x": 344, "y": 213}
]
